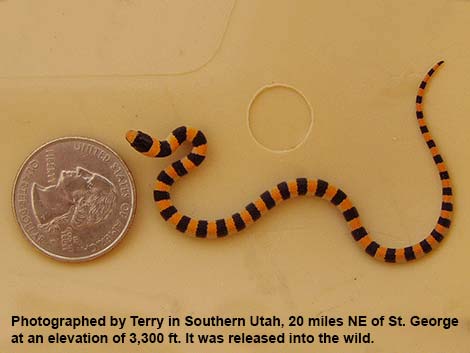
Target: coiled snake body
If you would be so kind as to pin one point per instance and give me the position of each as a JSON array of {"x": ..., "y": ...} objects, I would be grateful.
[{"x": 152, "y": 147}]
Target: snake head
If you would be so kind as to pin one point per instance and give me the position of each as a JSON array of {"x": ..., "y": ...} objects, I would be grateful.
[{"x": 139, "y": 140}]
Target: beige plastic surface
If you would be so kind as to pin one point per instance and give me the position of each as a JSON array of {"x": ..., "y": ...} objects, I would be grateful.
[{"x": 358, "y": 65}]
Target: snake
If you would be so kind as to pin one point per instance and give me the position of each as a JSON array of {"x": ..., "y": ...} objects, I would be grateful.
[{"x": 218, "y": 228}]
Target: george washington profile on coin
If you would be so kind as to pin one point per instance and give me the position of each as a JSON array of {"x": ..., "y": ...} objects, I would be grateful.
[{"x": 80, "y": 199}]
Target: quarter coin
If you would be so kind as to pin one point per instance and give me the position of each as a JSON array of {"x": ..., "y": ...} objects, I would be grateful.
[{"x": 74, "y": 198}]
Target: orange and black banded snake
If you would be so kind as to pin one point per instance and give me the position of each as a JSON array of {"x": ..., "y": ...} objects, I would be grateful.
[{"x": 152, "y": 147}]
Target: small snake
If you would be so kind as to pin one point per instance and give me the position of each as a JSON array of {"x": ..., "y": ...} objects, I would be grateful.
[{"x": 152, "y": 147}]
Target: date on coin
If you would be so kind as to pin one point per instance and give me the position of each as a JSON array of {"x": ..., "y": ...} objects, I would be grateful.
[{"x": 74, "y": 198}]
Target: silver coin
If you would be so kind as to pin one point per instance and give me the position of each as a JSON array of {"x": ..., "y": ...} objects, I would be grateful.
[{"x": 74, "y": 198}]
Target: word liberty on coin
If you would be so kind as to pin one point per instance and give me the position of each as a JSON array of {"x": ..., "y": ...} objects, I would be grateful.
[{"x": 74, "y": 198}]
